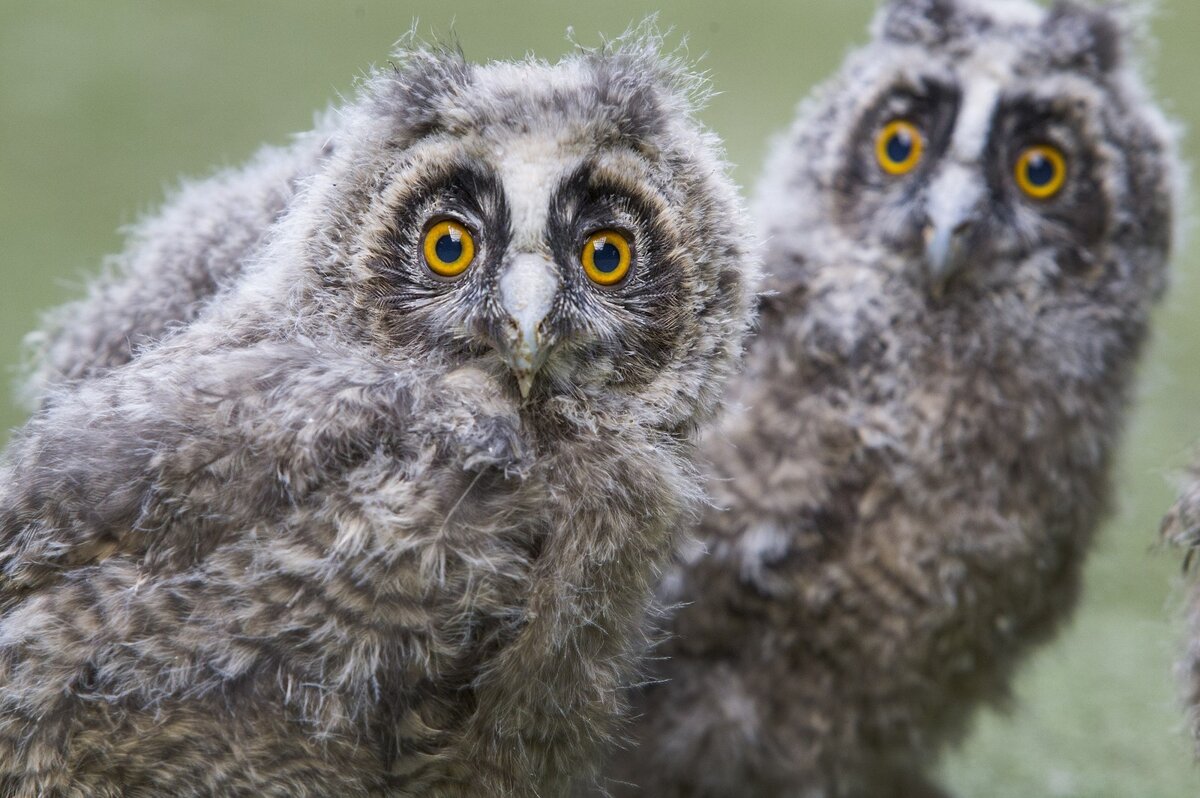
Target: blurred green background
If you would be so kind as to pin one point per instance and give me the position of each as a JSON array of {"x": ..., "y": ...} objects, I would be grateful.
[{"x": 103, "y": 105}]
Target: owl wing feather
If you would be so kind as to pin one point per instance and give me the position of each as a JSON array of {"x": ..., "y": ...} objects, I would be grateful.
[
  {"x": 187, "y": 522},
  {"x": 157, "y": 461}
]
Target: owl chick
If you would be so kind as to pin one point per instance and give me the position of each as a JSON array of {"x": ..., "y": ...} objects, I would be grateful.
[
  {"x": 967, "y": 229},
  {"x": 384, "y": 516}
]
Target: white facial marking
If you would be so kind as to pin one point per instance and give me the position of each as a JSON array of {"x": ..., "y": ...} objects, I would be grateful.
[
  {"x": 954, "y": 194},
  {"x": 958, "y": 188},
  {"x": 531, "y": 163},
  {"x": 531, "y": 167},
  {"x": 1016, "y": 13},
  {"x": 981, "y": 78}
]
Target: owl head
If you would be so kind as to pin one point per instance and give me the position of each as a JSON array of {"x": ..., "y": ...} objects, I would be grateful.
[
  {"x": 995, "y": 167},
  {"x": 569, "y": 228}
]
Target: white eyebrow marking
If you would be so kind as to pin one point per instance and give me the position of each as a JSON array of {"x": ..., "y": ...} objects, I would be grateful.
[
  {"x": 981, "y": 79},
  {"x": 974, "y": 120},
  {"x": 530, "y": 169}
]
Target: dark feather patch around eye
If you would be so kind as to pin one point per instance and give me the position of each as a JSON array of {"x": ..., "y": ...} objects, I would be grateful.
[
  {"x": 931, "y": 107},
  {"x": 635, "y": 321},
  {"x": 1023, "y": 126},
  {"x": 405, "y": 290}
]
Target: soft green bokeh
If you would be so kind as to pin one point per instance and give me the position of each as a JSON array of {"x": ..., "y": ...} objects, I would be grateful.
[{"x": 104, "y": 104}]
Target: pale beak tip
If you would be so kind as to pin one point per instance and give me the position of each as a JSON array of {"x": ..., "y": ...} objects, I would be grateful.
[{"x": 525, "y": 383}]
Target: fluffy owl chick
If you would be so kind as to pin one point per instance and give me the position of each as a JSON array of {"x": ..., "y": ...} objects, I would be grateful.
[
  {"x": 967, "y": 228},
  {"x": 384, "y": 517}
]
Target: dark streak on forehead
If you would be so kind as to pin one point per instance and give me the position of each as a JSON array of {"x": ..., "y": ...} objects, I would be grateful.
[
  {"x": 464, "y": 181},
  {"x": 626, "y": 173}
]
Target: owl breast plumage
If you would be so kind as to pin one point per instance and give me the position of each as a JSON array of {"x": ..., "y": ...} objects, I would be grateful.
[
  {"x": 373, "y": 503},
  {"x": 966, "y": 231}
]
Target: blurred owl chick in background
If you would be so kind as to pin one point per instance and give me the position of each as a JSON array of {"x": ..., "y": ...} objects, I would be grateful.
[
  {"x": 383, "y": 514},
  {"x": 967, "y": 229},
  {"x": 1181, "y": 527}
]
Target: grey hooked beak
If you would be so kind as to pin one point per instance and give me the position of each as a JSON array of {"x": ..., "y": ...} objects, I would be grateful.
[
  {"x": 527, "y": 290},
  {"x": 946, "y": 252},
  {"x": 953, "y": 210}
]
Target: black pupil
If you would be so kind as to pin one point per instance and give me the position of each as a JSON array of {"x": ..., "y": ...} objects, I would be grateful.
[
  {"x": 607, "y": 258},
  {"x": 1040, "y": 170},
  {"x": 448, "y": 250},
  {"x": 900, "y": 146}
]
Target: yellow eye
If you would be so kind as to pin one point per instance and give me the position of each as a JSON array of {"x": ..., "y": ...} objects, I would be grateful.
[
  {"x": 449, "y": 248},
  {"x": 606, "y": 257},
  {"x": 898, "y": 147},
  {"x": 1041, "y": 171}
]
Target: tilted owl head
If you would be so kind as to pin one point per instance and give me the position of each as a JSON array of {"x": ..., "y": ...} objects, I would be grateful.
[
  {"x": 998, "y": 155},
  {"x": 570, "y": 228}
]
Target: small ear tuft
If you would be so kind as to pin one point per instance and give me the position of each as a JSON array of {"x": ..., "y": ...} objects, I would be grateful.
[
  {"x": 414, "y": 83},
  {"x": 646, "y": 79},
  {"x": 1088, "y": 36},
  {"x": 926, "y": 22}
]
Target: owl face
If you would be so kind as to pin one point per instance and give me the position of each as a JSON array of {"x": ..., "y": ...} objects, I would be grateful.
[
  {"x": 997, "y": 150},
  {"x": 537, "y": 249},
  {"x": 569, "y": 227},
  {"x": 956, "y": 165}
]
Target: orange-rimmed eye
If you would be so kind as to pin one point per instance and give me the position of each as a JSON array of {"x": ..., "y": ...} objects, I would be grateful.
[
  {"x": 899, "y": 147},
  {"x": 449, "y": 248},
  {"x": 1041, "y": 171},
  {"x": 606, "y": 257}
]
